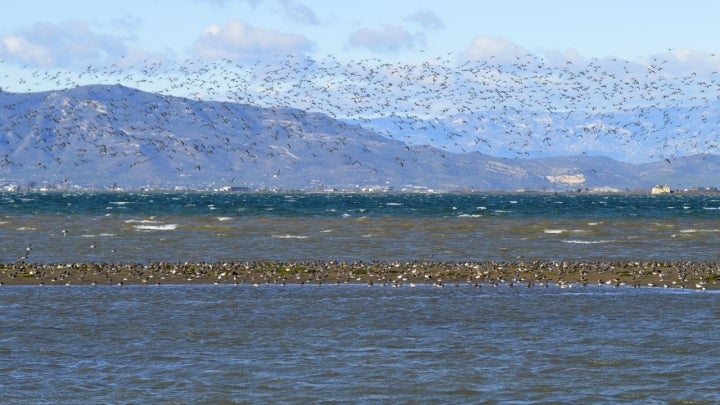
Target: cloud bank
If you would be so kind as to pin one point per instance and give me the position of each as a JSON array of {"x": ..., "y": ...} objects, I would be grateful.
[
  {"x": 71, "y": 44},
  {"x": 241, "y": 41},
  {"x": 388, "y": 39}
]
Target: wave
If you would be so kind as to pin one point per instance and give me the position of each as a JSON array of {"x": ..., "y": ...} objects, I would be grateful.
[
  {"x": 164, "y": 227},
  {"x": 695, "y": 230},
  {"x": 288, "y": 236},
  {"x": 589, "y": 242}
]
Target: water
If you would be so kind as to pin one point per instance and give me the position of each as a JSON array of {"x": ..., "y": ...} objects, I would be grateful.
[
  {"x": 140, "y": 227},
  {"x": 354, "y": 344},
  {"x": 351, "y": 343}
]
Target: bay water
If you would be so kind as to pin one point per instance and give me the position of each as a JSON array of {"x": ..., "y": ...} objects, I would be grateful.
[
  {"x": 352, "y": 343},
  {"x": 140, "y": 227}
]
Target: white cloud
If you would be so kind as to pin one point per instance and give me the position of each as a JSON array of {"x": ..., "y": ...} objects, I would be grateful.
[
  {"x": 238, "y": 40},
  {"x": 70, "y": 44},
  {"x": 561, "y": 58},
  {"x": 499, "y": 49},
  {"x": 389, "y": 39},
  {"x": 427, "y": 19},
  {"x": 683, "y": 60},
  {"x": 18, "y": 48}
]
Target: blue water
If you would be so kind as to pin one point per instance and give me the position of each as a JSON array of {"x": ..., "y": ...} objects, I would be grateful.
[
  {"x": 354, "y": 344},
  {"x": 141, "y": 227},
  {"x": 331, "y": 205},
  {"x": 351, "y": 343}
]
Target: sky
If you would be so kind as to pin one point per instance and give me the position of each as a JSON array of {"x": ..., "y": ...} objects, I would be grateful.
[
  {"x": 395, "y": 59},
  {"x": 74, "y": 34}
]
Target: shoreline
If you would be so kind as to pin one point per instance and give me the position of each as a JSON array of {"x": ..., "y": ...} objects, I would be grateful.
[{"x": 535, "y": 273}]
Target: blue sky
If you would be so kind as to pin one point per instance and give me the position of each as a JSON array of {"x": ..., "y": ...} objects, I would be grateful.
[{"x": 72, "y": 34}]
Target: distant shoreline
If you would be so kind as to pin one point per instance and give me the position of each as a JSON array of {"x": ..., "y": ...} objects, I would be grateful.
[
  {"x": 526, "y": 274},
  {"x": 704, "y": 191}
]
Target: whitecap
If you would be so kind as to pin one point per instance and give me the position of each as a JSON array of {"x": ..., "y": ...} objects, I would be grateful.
[
  {"x": 164, "y": 227},
  {"x": 696, "y": 230},
  {"x": 588, "y": 242},
  {"x": 141, "y": 221},
  {"x": 288, "y": 236},
  {"x": 394, "y": 204},
  {"x": 554, "y": 231},
  {"x": 224, "y": 218}
]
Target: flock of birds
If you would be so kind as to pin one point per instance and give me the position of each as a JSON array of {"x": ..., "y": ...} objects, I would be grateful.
[
  {"x": 396, "y": 274},
  {"x": 492, "y": 106}
]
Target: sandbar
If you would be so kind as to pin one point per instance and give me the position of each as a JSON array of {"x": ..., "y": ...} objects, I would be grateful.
[{"x": 642, "y": 273}]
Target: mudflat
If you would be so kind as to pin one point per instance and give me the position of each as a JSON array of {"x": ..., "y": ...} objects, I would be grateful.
[{"x": 694, "y": 275}]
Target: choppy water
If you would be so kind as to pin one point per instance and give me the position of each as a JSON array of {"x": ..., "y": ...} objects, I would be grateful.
[
  {"x": 354, "y": 344},
  {"x": 140, "y": 227}
]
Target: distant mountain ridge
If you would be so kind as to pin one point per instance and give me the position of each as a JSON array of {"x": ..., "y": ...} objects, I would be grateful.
[
  {"x": 641, "y": 135},
  {"x": 116, "y": 137}
]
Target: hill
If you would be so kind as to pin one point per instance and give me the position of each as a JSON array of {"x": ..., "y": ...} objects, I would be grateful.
[{"x": 116, "y": 137}]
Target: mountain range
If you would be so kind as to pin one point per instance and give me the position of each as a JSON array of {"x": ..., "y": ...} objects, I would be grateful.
[{"x": 115, "y": 137}]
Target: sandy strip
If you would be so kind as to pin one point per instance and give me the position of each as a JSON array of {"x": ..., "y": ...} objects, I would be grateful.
[{"x": 693, "y": 275}]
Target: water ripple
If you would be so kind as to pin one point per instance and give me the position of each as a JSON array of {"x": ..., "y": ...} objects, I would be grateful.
[{"x": 225, "y": 344}]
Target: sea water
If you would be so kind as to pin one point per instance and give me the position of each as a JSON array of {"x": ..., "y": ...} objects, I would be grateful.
[
  {"x": 353, "y": 343},
  {"x": 357, "y": 344},
  {"x": 141, "y": 227}
]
